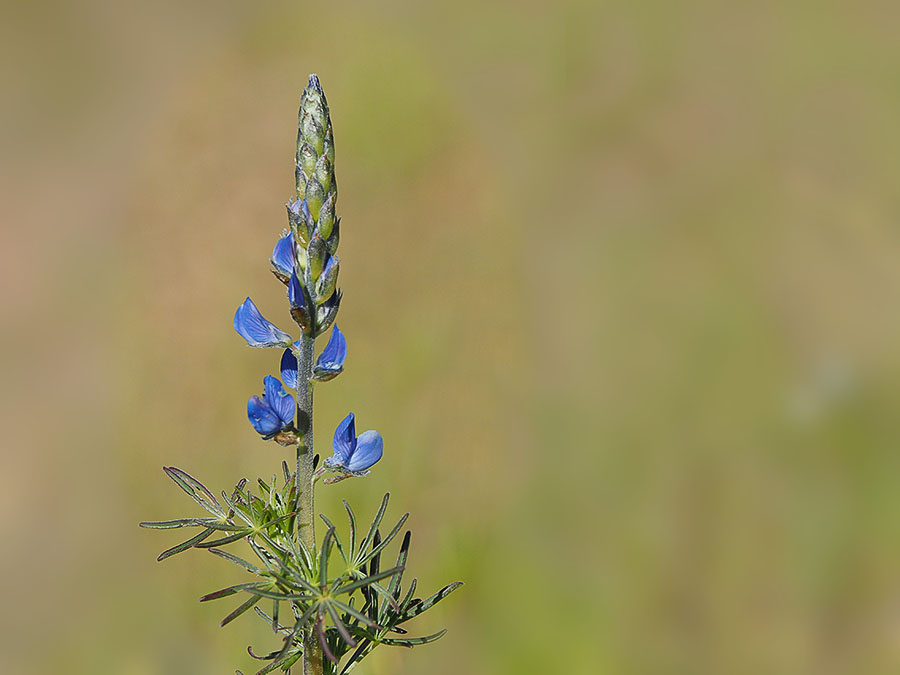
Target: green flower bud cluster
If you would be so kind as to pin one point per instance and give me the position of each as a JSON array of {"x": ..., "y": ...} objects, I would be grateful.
[{"x": 314, "y": 225}]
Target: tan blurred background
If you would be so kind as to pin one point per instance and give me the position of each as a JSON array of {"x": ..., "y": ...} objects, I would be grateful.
[{"x": 622, "y": 292}]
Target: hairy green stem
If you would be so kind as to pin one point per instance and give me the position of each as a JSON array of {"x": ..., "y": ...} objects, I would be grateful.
[{"x": 306, "y": 518}]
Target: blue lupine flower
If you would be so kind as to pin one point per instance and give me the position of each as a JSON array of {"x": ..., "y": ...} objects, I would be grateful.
[
  {"x": 283, "y": 255},
  {"x": 274, "y": 412},
  {"x": 256, "y": 330},
  {"x": 330, "y": 363},
  {"x": 296, "y": 296},
  {"x": 289, "y": 366},
  {"x": 351, "y": 454}
]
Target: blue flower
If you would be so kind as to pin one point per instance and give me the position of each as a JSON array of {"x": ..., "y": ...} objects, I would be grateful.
[
  {"x": 351, "y": 454},
  {"x": 296, "y": 296},
  {"x": 256, "y": 330},
  {"x": 274, "y": 412},
  {"x": 289, "y": 366},
  {"x": 283, "y": 256},
  {"x": 330, "y": 363}
]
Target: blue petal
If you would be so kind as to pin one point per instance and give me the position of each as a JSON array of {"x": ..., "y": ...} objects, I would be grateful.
[
  {"x": 281, "y": 402},
  {"x": 262, "y": 417},
  {"x": 289, "y": 368},
  {"x": 256, "y": 330},
  {"x": 369, "y": 448},
  {"x": 329, "y": 265},
  {"x": 345, "y": 439},
  {"x": 283, "y": 255},
  {"x": 335, "y": 353},
  {"x": 295, "y": 292}
]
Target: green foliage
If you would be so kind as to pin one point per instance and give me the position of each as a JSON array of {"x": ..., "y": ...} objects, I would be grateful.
[{"x": 346, "y": 600}]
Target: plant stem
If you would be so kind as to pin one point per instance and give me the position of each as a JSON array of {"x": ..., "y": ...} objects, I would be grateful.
[{"x": 306, "y": 518}]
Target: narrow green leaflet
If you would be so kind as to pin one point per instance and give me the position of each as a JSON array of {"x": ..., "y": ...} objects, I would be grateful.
[
  {"x": 236, "y": 560},
  {"x": 197, "y": 490},
  {"x": 180, "y": 522},
  {"x": 225, "y": 540},
  {"x": 225, "y": 592},
  {"x": 185, "y": 545},
  {"x": 387, "y": 540},
  {"x": 412, "y": 642},
  {"x": 337, "y": 539},
  {"x": 429, "y": 602},
  {"x": 352, "y": 519},
  {"x": 240, "y": 610},
  {"x": 348, "y": 588},
  {"x": 374, "y": 527}
]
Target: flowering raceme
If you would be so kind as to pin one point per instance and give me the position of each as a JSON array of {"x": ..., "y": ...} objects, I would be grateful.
[{"x": 331, "y": 614}]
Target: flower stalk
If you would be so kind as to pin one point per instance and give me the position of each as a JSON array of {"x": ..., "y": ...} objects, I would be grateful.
[{"x": 306, "y": 509}]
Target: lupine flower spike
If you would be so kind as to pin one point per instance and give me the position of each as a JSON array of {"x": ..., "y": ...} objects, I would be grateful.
[{"x": 333, "y": 618}]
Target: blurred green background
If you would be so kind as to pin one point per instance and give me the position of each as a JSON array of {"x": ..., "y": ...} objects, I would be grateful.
[{"x": 622, "y": 294}]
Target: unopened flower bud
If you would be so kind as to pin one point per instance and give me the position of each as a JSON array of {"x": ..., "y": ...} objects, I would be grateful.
[
  {"x": 335, "y": 238},
  {"x": 326, "y": 217},
  {"x": 300, "y": 219},
  {"x": 323, "y": 172},
  {"x": 300, "y": 307},
  {"x": 315, "y": 196},
  {"x": 328, "y": 279},
  {"x": 316, "y": 252},
  {"x": 327, "y": 312}
]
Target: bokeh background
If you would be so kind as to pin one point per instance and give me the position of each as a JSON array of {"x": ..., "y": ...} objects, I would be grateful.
[{"x": 622, "y": 293}]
